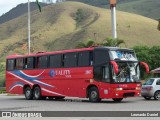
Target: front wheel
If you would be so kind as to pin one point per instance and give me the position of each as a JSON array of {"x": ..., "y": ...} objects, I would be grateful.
[
  {"x": 28, "y": 93},
  {"x": 37, "y": 93},
  {"x": 117, "y": 99},
  {"x": 157, "y": 95},
  {"x": 94, "y": 95}
]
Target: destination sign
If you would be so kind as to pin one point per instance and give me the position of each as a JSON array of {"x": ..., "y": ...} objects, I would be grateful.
[{"x": 123, "y": 55}]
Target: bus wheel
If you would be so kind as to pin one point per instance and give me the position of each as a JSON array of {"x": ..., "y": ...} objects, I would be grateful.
[
  {"x": 117, "y": 99},
  {"x": 157, "y": 95},
  {"x": 94, "y": 95},
  {"x": 28, "y": 93},
  {"x": 37, "y": 93}
]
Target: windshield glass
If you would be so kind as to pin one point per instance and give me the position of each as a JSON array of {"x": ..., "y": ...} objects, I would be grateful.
[
  {"x": 123, "y": 55},
  {"x": 149, "y": 82},
  {"x": 128, "y": 72}
]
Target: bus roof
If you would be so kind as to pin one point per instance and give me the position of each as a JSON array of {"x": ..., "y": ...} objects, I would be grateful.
[
  {"x": 48, "y": 53},
  {"x": 66, "y": 51}
]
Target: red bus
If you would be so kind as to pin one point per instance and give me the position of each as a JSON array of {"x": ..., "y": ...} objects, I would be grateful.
[{"x": 95, "y": 73}]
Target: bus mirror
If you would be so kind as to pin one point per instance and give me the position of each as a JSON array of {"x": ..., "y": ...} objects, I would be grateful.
[
  {"x": 145, "y": 65},
  {"x": 115, "y": 66}
]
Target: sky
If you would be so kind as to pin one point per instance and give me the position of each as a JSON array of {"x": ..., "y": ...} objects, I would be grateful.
[{"x": 6, "y": 5}]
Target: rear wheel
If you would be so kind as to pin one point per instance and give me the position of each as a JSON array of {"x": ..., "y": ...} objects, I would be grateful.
[
  {"x": 28, "y": 93},
  {"x": 117, "y": 99},
  {"x": 94, "y": 95},
  {"x": 37, "y": 93},
  {"x": 157, "y": 95},
  {"x": 147, "y": 98}
]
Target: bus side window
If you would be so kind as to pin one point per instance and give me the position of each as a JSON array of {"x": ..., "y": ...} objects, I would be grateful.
[
  {"x": 55, "y": 61},
  {"x": 100, "y": 57},
  {"x": 70, "y": 60},
  {"x": 42, "y": 62},
  {"x": 19, "y": 63},
  {"x": 83, "y": 59},
  {"x": 10, "y": 64},
  {"x": 29, "y": 63}
]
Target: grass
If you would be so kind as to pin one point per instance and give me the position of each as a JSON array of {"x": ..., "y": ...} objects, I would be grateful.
[
  {"x": 148, "y": 8},
  {"x": 2, "y": 90}
]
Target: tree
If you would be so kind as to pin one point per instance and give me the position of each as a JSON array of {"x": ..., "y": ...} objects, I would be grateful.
[
  {"x": 113, "y": 42},
  {"x": 150, "y": 55},
  {"x": 85, "y": 45},
  {"x": 80, "y": 14}
]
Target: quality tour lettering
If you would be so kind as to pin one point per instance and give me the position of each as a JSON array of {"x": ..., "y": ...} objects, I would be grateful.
[{"x": 66, "y": 73}]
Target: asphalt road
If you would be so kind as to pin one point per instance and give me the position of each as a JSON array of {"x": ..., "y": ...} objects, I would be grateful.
[
  {"x": 19, "y": 103},
  {"x": 76, "y": 104}
]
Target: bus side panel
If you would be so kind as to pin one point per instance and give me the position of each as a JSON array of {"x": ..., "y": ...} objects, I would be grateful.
[
  {"x": 105, "y": 90},
  {"x": 53, "y": 82},
  {"x": 13, "y": 84},
  {"x": 68, "y": 81}
]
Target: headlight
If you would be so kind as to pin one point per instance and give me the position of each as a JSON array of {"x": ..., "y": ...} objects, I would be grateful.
[
  {"x": 138, "y": 88},
  {"x": 118, "y": 88}
]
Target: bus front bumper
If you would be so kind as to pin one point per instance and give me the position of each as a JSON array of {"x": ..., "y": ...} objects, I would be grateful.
[{"x": 125, "y": 93}]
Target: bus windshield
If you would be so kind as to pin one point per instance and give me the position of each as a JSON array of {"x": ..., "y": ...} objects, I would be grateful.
[{"x": 128, "y": 72}]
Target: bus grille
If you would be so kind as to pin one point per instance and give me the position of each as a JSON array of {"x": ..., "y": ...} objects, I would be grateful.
[
  {"x": 128, "y": 88},
  {"x": 131, "y": 94}
]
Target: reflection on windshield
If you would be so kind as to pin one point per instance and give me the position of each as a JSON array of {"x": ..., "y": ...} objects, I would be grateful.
[{"x": 128, "y": 72}]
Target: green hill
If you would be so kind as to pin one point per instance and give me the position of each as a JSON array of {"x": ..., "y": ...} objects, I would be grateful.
[
  {"x": 57, "y": 28},
  {"x": 147, "y": 8}
]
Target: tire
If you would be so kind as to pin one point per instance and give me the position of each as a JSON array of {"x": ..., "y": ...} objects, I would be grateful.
[
  {"x": 28, "y": 93},
  {"x": 117, "y": 99},
  {"x": 37, "y": 93},
  {"x": 157, "y": 95},
  {"x": 94, "y": 95},
  {"x": 147, "y": 98}
]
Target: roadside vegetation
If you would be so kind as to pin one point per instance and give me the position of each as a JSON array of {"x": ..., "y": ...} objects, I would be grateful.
[
  {"x": 2, "y": 90},
  {"x": 150, "y": 55}
]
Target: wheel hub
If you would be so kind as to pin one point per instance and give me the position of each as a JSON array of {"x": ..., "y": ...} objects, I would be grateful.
[
  {"x": 28, "y": 93},
  {"x": 93, "y": 94}
]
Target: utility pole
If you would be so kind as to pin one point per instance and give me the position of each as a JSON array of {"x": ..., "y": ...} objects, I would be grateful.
[
  {"x": 113, "y": 15},
  {"x": 29, "y": 28}
]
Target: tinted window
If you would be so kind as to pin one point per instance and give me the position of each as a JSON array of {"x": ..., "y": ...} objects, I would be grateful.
[
  {"x": 29, "y": 63},
  {"x": 42, "y": 61},
  {"x": 55, "y": 61},
  {"x": 84, "y": 59},
  {"x": 158, "y": 82},
  {"x": 149, "y": 82},
  {"x": 101, "y": 57},
  {"x": 106, "y": 75},
  {"x": 70, "y": 60},
  {"x": 10, "y": 64},
  {"x": 19, "y": 63}
]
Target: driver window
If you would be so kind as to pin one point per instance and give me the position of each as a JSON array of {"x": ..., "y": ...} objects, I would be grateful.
[
  {"x": 106, "y": 74},
  {"x": 158, "y": 82}
]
